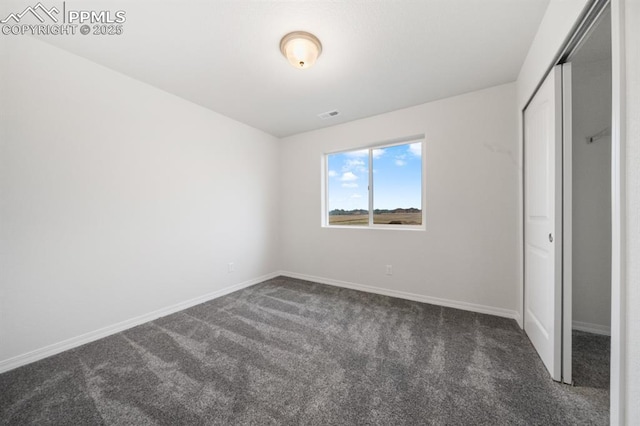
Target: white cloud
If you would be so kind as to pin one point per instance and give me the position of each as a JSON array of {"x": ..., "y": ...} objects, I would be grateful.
[
  {"x": 354, "y": 164},
  {"x": 400, "y": 160},
  {"x": 355, "y": 196},
  {"x": 333, "y": 173},
  {"x": 377, "y": 153},
  {"x": 350, "y": 185},
  {"x": 416, "y": 149},
  {"x": 348, "y": 176}
]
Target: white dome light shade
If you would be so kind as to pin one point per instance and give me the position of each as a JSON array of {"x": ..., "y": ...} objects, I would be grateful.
[{"x": 301, "y": 49}]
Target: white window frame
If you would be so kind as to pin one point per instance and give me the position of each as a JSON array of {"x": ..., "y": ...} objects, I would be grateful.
[{"x": 325, "y": 185}]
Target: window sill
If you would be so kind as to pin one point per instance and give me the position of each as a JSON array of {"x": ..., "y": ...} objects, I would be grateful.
[{"x": 379, "y": 227}]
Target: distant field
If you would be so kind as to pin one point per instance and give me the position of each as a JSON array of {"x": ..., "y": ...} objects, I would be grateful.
[{"x": 378, "y": 219}]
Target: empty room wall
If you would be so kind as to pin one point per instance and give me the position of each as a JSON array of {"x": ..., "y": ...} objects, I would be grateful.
[
  {"x": 118, "y": 200},
  {"x": 468, "y": 255},
  {"x": 591, "y": 94}
]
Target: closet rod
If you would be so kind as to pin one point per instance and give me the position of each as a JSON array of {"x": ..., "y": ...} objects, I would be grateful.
[{"x": 601, "y": 134}]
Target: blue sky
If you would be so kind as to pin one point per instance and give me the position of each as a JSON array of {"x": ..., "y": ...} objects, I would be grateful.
[{"x": 397, "y": 177}]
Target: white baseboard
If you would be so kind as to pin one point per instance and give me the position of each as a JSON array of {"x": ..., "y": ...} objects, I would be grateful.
[
  {"x": 592, "y": 328},
  {"x": 91, "y": 336},
  {"x": 500, "y": 312}
]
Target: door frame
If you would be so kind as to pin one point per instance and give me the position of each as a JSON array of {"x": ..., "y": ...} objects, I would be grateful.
[{"x": 617, "y": 393}]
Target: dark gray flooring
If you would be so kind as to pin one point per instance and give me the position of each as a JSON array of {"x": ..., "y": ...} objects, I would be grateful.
[
  {"x": 591, "y": 361},
  {"x": 293, "y": 352}
]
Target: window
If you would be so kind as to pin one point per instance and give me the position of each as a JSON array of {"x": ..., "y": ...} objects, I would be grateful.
[{"x": 376, "y": 187}]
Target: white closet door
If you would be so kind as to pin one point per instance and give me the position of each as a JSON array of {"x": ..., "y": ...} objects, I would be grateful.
[{"x": 543, "y": 221}]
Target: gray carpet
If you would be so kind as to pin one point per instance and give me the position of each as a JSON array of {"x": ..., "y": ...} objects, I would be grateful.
[
  {"x": 293, "y": 352},
  {"x": 591, "y": 357}
]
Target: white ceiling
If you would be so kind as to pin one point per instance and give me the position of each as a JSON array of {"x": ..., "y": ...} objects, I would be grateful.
[{"x": 378, "y": 56}]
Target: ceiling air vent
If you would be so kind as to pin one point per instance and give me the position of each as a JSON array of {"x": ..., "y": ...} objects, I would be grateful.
[{"x": 329, "y": 114}]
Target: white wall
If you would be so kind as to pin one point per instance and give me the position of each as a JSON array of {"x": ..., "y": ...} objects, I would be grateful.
[
  {"x": 118, "y": 200},
  {"x": 469, "y": 251},
  {"x": 591, "y": 87},
  {"x": 632, "y": 151}
]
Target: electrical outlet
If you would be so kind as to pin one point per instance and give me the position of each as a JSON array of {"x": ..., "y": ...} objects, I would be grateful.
[
  {"x": 389, "y": 270},
  {"x": 232, "y": 267}
]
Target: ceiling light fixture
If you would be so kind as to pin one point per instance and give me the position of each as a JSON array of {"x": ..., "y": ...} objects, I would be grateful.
[{"x": 301, "y": 49}]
